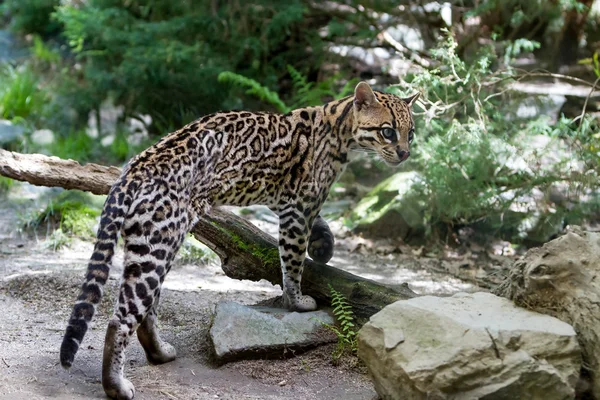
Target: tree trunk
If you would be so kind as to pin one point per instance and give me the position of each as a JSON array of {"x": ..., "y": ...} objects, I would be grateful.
[{"x": 245, "y": 251}]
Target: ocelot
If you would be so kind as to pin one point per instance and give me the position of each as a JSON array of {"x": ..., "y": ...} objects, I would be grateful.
[{"x": 286, "y": 162}]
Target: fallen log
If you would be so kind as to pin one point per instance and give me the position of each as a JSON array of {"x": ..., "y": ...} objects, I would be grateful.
[{"x": 245, "y": 251}]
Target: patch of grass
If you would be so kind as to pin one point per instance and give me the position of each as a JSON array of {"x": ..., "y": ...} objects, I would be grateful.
[
  {"x": 20, "y": 96},
  {"x": 69, "y": 214}
]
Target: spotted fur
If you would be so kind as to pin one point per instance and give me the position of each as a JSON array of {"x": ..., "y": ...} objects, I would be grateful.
[{"x": 286, "y": 162}]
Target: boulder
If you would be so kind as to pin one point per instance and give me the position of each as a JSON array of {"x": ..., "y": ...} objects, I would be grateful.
[
  {"x": 561, "y": 279},
  {"x": 469, "y": 346},
  {"x": 390, "y": 209},
  {"x": 240, "y": 332}
]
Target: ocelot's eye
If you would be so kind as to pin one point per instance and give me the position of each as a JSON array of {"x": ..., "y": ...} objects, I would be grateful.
[
  {"x": 389, "y": 133},
  {"x": 411, "y": 135}
]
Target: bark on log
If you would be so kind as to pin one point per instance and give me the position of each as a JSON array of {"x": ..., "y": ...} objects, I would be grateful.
[{"x": 245, "y": 251}]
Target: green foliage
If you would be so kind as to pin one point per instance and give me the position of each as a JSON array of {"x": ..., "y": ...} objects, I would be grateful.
[
  {"x": 304, "y": 93},
  {"x": 184, "y": 46},
  {"x": 120, "y": 147},
  {"x": 480, "y": 161},
  {"x": 518, "y": 47},
  {"x": 5, "y": 184},
  {"x": 347, "y": 340},
  {"x": 163, "y": 58},
  {"x": 254, "y": 89},
  {"x": 594, "y": 62},
  {"x": 70, "y": 214},
  {"x": 76, "y": 145},
  {"x": 43, "y": 53},
  {"x": 31, "y": 16},
  {"x": 19, "y": 93}
]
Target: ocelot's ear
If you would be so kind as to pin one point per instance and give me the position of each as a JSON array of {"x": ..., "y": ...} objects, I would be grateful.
[
  {"x": 364, "y": 96},
  {"x": 411, "y": 100}
]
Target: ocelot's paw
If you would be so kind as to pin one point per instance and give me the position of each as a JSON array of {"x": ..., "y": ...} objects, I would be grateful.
[
  {"x": 162, "y": 354},
  {"x": 302, "y": 303},
  {"x": 320, "y": 244},
  {"x": 119, "y": 388}
]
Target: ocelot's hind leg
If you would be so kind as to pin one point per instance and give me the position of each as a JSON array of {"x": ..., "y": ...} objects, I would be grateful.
[
  {"x": 149, "y": 250},
  {"x": 320, "y": 244},
  {"x": 157, "y": 350},
  {"x": 138, "y": 294}
]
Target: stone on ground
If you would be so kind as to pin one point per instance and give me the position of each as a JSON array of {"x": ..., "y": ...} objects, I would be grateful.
[
  {"x": 469, "y": 346},
  {"x": 242, "y": 332}
]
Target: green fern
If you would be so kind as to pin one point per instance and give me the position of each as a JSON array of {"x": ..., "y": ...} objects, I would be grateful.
[
  {"x": 316, "y": 93},
  {"x": 254, "y": 88},
  {"x": 345, "y": 332}
]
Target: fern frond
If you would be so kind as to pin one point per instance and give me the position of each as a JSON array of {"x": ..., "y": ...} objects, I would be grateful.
[
  {"x": 254, "y": 88},
  {"x": 346, "y": 333}
]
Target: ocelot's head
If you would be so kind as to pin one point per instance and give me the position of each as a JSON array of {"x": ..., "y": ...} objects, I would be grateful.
[{"x": 383, "y": 123}]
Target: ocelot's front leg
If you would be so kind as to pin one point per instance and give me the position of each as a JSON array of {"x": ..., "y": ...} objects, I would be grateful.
[{"x": 293, "y": 237}]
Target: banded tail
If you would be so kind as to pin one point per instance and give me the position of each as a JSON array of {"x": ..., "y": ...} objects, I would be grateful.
[{"x": 97, "y": 275}]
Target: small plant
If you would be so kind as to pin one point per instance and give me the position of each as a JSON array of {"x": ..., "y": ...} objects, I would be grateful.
[
  {"x": 5, "y": 184},
  {"x": 594, "y": 62},
  {"x": 67, "y": 215},
  {"x": 57, "y": 240},
  {"x": 345, "y": 332},
  {"x": 194, "y": 252}
]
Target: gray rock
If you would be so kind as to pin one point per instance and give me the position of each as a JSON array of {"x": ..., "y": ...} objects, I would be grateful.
[
  {"x": 11, "y": 48},
  {"x": 240, "y": 331},
  {"x": 10, "y": 132},
  {"x": 389, "y": 210},
  {"x": 469, "y": 346}
]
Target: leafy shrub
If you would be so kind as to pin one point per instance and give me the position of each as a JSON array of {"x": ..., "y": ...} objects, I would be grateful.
[
  {"x": 481, "y": 160},
  {"x": 32, "y": 16}
]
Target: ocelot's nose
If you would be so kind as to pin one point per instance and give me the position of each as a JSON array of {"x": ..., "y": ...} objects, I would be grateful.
[{"x": 403, "y": 154}]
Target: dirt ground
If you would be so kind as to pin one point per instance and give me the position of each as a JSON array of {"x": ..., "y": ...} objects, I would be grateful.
[{"x": 38, "y": 286}]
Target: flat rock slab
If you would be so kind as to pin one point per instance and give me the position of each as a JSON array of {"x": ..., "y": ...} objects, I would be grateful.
[
  {"x": 245, "y": 332},
  {"x": 469, "y": 346}
]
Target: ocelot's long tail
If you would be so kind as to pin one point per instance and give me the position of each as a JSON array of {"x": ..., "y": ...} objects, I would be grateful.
[{"x": 97, "y": 275}]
